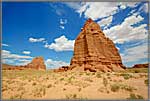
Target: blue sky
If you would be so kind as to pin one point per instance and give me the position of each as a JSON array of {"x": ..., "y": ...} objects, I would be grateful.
[{"x": 48, "y": 29}]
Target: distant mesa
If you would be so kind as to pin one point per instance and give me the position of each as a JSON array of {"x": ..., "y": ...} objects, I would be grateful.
[
  {"x": 140, "y": 65},
  {"x": 93, "y": 51},
  {"x": 37, "y": 63}
]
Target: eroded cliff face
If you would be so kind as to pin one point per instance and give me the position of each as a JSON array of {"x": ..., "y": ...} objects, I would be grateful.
[
  {"x": 94, "y": 51},
  {"x": 37, "y": 63}
]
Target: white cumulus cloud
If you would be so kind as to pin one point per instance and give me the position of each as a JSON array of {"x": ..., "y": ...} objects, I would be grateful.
[
  {"x": 26, "y": 52},
  {"x": 125, "y": 32},
  {"x": 97, "y": 10},
  {"x": 36, "y": 39},
  {"x": 5, "y": 45},
  {"x": 135, "y": 53},
  {"x": 55, "y": 64},
  {"x": 61, "y": 44},
  {"x": 63, "y": 21},
  {"x": 105, "y": 21},
  {"x": 15, "y": 59},
  {"x": 62, "y": 27}
]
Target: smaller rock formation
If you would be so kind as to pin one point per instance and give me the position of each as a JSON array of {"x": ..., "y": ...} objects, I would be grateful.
[
  {"x": 37, "y": 63},
  {"x": 62, "y": 69},
  {"x": 140, "y": 65}
]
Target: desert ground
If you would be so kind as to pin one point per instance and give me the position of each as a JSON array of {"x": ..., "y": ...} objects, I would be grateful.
[{"x": 34, "y": 84}]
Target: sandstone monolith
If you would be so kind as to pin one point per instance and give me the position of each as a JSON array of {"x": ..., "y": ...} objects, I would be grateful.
[{"x": 93, "y": 51}]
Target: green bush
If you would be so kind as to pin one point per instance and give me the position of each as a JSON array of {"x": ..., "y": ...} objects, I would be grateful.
[
  {"x": 133, "y": 96},
  {"x": 105, "y": 82},
  {"x": 115, "y": 87},
  {"x": 126, "y": 76},
  {"x": 146, "y": 82},
  {"x": 98, "y": 75}
]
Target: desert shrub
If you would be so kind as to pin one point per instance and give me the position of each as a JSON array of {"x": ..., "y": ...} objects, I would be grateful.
[
  {"x": 20, "y": 88},
  {"x": 64, "y": 88},
  {"x": 133, "y": 96},
  {"x": 39, "y": 92},
  {"x": 146, "y": 82},
  {"x": 98, "y": 75},
  {"x": 115, "y": 87},
  {"x": 79, "y": 89},
  {"x": 87, "y": 73},
  {"x": 107, "y": 91},
  {"x": 140, "y": 97},
  {"x": 126, "y": 76},
  {"x": 93, "y": 73},
  {"x": 108, "y": 74},
  {"x": 105, "y": 82},
  {"x": 108, "y": 77},
  {"x": 81, "y": 73},
  {"x": 101, "y": 89},
  {"x": 71, "y": 96},
  {"x": 127, "y": 88},
  {"x": 34, "y": 83},
  {"x": 61, "y": 79},
  {"x": 88, "y": 79},
  {"x": 47, "y": 78},
  {"x": 70, "y": 79},
  {"x": 49, "y": 85},
  {"x": 17, "y": 96}
]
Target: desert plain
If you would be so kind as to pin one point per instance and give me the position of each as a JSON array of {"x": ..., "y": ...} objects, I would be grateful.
[{"x": 38, "y": 84}]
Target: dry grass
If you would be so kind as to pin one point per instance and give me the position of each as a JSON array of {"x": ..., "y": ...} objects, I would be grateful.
[{"x": 32, "y": 84}]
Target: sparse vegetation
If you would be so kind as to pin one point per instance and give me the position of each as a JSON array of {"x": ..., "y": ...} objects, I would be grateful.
[
  {"x": 39, "y": 92},
  {"x": 126, "y": 76},
  {"x": 61, "y": 79},
  {"x": 34, "y": 83},
  {"x": 42, "y": 84},
  {"x": 115, "y": 87},
  {"x": 146, "y": 82},
  {"x": 88, "y": 79},
  {"x": 133, "y": 96},
  {"x": 127, "y": 88},
  {"x": 79, "y": 89},
  {"x": 88, "y": 73},
  {"x": 101, "y": 89},
  {"x": 71, "y": 96},
  {"x": 105, "y": 82},
  {"x": 98, "y": 75},
  {"x": 49, "y": 85},
  {"x": 64, "y": 89}
]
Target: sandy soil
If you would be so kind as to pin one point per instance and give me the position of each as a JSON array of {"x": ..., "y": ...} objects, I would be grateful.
[{"x": 32, "y": 84}]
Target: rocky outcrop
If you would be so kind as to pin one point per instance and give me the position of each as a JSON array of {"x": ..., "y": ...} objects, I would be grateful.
[
  {"x": 140, "y": 65},
  {"x": 93, "y": 51},
  {"x": 11, "y": 67},
  {"x": 62, "y": 69},
  {"x": 37, "y": 63}
]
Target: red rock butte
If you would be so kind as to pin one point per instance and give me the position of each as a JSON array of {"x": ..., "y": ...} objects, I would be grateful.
[
  {"x": 94, "y": 51},
  {"x": 37, "y": 63}
]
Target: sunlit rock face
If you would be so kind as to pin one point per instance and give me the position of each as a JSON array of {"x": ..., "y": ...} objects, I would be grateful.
[
  {"x": 94, "y": 51},
  {"x": 37, "y": 63}
]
